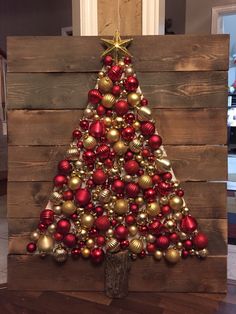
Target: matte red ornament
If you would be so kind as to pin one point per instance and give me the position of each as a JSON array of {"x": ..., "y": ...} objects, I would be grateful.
[
  {"x": 63, "y": 226},
  {"x": 121, "y": 107},
  {"x": 118, "y": 186},
  {"x": 47, "y": 216},
  {"x": 115, "y": 73},
  {"x": 147, "y": 128},
  {"x": 99, "y": 177},
  {"x": 97, "y": 255},
  {"x": 156, "y": 179},
  {"x": 82, "y": 197},
  {"x": 100, "y": 240},
  {"x": 97, "y": 129},
  {"x": 132, "y": 189},
  {"x": 58, "y": 236},
  {"x": 103, "y": 151},
  {"x": 67, "y": 195},
  {"x": 151, "y": 248},
  {"x": 60, "y": 180},
  {"x": 94, "y": 96},
  {"x": 131, "y": 84},
  {"x": 116, "y": 90},
  {"x": 70, "y": 240},
  {"x": 200, "y": 241},
  {"x": 130, "y": 219},
  {"x": 128, "y": 133},
  {"x": 101, "y": 110},
  {"x": 185, "y": 253},
  {"x": 174, "y": 237},
  {"x": 165, "y": 209},
  {"x": 131, "y": 167},
  {"x": 155, "y": 141},
  {"x": 162, "y": 242},
  {"x": 31, "y": 247},
  {"x": 121, "y": 232},
  {"x": 64, "y": 167},
  {"x": 102, "y": 223},
  {"x": 188, "y": 224},
  {"x": 107, "y": 60}
]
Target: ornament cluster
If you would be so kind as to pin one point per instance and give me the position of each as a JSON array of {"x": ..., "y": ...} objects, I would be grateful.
[{"x": 115, "y": 190}]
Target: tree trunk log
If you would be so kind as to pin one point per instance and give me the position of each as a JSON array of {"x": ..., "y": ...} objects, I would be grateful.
[{"x": 117, "y": 267}]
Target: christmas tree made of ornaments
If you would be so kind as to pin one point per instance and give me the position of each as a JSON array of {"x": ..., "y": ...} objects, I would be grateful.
[{"x": 115, "y": 189}]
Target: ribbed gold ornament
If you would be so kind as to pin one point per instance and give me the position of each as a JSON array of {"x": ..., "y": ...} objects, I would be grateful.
[
  {"x": 105, "y": 84},
  {"x": 60, "y": 255},
  {"x": 135, "y": 145},
  {"x": 68, "y": 208},
  {"x": 134, "y": 99},
  {"x": 72, "y": 153},
  {"x": 112, "y": 245},
  {"x": 104, "y": 196},
  {"x": 144, "y": 113},
  {"x": 145, "y": 181},
  {"x": 153, "y": 209},
  {"x": 120, "y": 148},
  {"x": 108, "y": 100},
  {"x": 163, "y": 165},
  {"x": 45, "y": 243},
  {"x": 74, "y": 183},
  {"x": 136, "y": 246},
  {"x": 55, "y": 198},
  {"x": 121, "y": 206},
  {"x": 90, "y": 142}
]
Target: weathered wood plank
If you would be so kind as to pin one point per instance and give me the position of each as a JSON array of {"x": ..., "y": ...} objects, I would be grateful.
[
  {"x": 190, "y": 163},
  {"x": 54, "y": 127},
  {"x": 163, "y": 89},
  {"x": 191, "y": 275},
  {"x": 82, "y": 54},
  {"x": 205, "y": 199},
  {"x": 20, "y": 229}
]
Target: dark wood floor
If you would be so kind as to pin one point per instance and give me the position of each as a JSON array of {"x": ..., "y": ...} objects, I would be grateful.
[{"x": 96, "y": 303}]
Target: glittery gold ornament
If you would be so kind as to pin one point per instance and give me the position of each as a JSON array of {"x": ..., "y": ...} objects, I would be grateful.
[
  {"x": 107, "y": 121},
  {"x": 145, "y": 181},
  {"x": 120, "y": 148},
  {"x": 105, "y": 84},
  {"x": 87, "y": 220},
  {"x": 68, "y": 208},
  {"x": 34, "y": 236},
  {"x": 45, "y": 243},
  {"x": 60, "y": 255},
  {"x": 90, "y": 243},
  {"x": 89, "y": 142},
  {"x": 176, "y": 202},
  {"x": 203, "y": 253},
  {"x": 72, "y": 153},
  {"x": 144, "y": 113},
  {"x": 108, "y": 100},
  {"x": 104, "y": 196},
  {"x": 172, "y": 256},
  {"x": 153, "y": 209},
  {"x": 112, "y": 245},
  {"x": 74, "y": 183},
  {"x": 157, "y": 255},
  {"x": 113, "y": 135},
  {"x": 135, "y": 145},
  {"x": 88, "y": 113},
  {"x": 52, "y": 228},
  {"x": 85, "y": 252},
  {"x": 55, "y": 198},
  {"x": 57, "y": 209},
  {"x": 134, "y": 99},
  {"x": 133, "y": 230},
  {"x": 136, "y": 246},
  {"x": 163, "y": 165},
  {"x": 121, "y": 206}
]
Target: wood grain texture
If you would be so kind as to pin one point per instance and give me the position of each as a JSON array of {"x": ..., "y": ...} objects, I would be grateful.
[
  {"x": 191, "y": 126},
  {"x": 190, "y": 163},
  {"x": 162, "y": 89},
  {"x": 145, "y": 275},
  {"x": 82, "y": 54},
  {"x": 205, "y": 199},
  {"x": 20, "y": 229}
]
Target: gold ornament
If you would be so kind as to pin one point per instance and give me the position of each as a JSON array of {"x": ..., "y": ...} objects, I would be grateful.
[
  {"x": 55, "y": 198},
  {"x": 133, "y": 230},
  {"x": 158, "y": 153},
  {"x": 164, "y": 200},
  {"x": 85, "y": 252},
  {"x": 172, "y": 256},
  {"x": 87, "y": 220},
  {"x": 121, "y": 206},
  {"x": 178, "y": 216},
  {"x": 134, "y": 99},
  {"x": 113, "y": 135},
  {"x": 176, "y": 202},
  {"x": 57, "y": 209},
  {"x": 72, "y": 153},
  {"x": 139, "y": 200},
  {"x": 118, "y": 122},
  {"x": 142, "y": 218},
  {"x": 112, "y": 245},
  {"x": 82, "y": 234},
  {"x": 163, "y": 165},
  {"x": 90, "y": 243},
  {"x": 105, "y": 84},
  {"x": 88, "y": 113},
  {"x": 34, "y": 236},
  {"x": 157, "y": 255},
  {"x": 145, "y": 181},
  {"x": 79, "y": 164},
  {"x": 150, "y": 238},
  {"x": 127, "y": 178},
  {"x": 109, "y": 233},
  {"x": 120, "y": 148},
  {"x": 108, "y": 100},
  {"x": 52, "y": 228},
  {"x": 89, "y": 142},
  {"x": 144, "y": 113},
  {"x": 68, "y": 208},
  {"x": 74, "y": 183},
  {"x": 153, "y": 209},
  {"x": 179, "y": 245},
  {"x": 136, "y": 125},
  {"x": 136, "y": 246},
  {"x": 129, "y": 71},
  {"x": 101, "y": 74},
  {"x": 107, "y": 121},
  {"x": 170, "y": 224},
  {"x": 186, "y": 210},
  {"x": 104, "y": 196},
  {"x": 183, "y": 236},
  {"x": 135, "y": 145},
  {"x": 45, "y": 243},
  {"x": 203, "y": 253},
  {"x": 60, "y": 255}
]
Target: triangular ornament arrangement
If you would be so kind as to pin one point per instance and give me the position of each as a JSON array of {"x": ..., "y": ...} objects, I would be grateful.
[{"x": 115, "y": 189}]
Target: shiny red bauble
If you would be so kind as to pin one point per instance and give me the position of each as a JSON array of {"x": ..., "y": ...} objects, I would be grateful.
[
  {"x": 97, "y": 255},
  {"x": 129, "y": 118},
  {"x": 180, "y": 192},
  {"x": 63, "y": 226},
  {"x": 77, "y": 134},
  {"x": 144, "y": 102},
  {"x": 84, "y": 124},
  {"x": 155, "y": 141},
  {"x": 200, "y": 241},
  {"x": 59, "y": 180},
  {"x": 64, "y": 167},
  {"x": 100, "y": 240},
  {"x": 162, "y": 242},
  {"x": 188, "y": 244},
  {"x": 174, "y": 237},
  {"x": 151, "y": 248},
  {"x": 134, "y": 208},
  {"x": 150, "y": 194},
  {"x": 70, "y": 240},
  {"x": 118, "y": 186},
  {"x": 42, "y": 226},
  {"x": 75, "y": 252},
  {"x": 82, "y": 197},
  {"x": 99, "y": 177},
  {"x": 107, "y": 60},
  {"x": 97, "y": 129},
  {"x": 167, "y": 176},
  {"x": 132, "y": 189},
  {"x": 102, "y": 223},
  {"x": 131, "y": 84},
  {"x": 124, "y": 244},
  {"x": 128, "y": 133},
  {"x": 147, "y": 128},
  {"x": 129, "y": 155},
  {"x": 185, "y": 254},
  {"x": 89, "y": 157},
  {"x": 103, "y": 151},
  {"x": 67, "y": 195},
  {"x": 121, "y": 107},
  {"x": 115, "y": 73},
  {"x": 165, "y": 210},
  {"x": 155, "y": 227},
  {"x": 121, "y": 232},
  {"x": 94, "y": 96},
  {"x": 127, "y": 60},
  {"x": 131, "y": 167},
  {"x": 101, "y": 110},
  {"x": 47, "y": 216},
  {"x": 188, "y": 224},
  {"x": 116, "y": 90},
  {"x": 31, "y": 247},
  {"x": 99, "y": 210},
  {"x": 58, "y": 236},
  {"x": 130, "y": 219}
]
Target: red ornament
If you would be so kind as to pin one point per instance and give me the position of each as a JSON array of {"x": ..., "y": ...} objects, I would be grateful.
[
  {"x": 101, "y": 110},
  {"x": 97, "y": 129},
  {"x": 142, "y": 254},
  {"x": 82, "y": 197},
  {"x": 150, "y": 194},
  {"x": 70, "y": 240},
  {"x": 167, "y": 176},
  {"x": 115, "y": 73},
  {"x": 129, "y": 155},
  {"x": 118, "y": 186},
  {"x": 97, "y": 255},
  {"x": 102, "y": 223},
  {"x": 124, "y": 244},
  {"x": 89, "y": 157},
  {"x": 76, "y": 134},
  {"x": 99, "y": 210},
  {"x": 165, "y": 209},
  {"x": 103, "y": 151},
  {"x": 188, "y": 244},
  {"x": 156, "y": 179},
  {"x": 185, "y": 253},
  {"x": 107, "y": 60},
  {"x": 121, "y": 232},
  {"x": 128, "y": 133},
  {"x": 121, "y": 107},
  {"x": 180, "y": 192},
  {"x": 59, "y": 180},
  {"x": 100, "y": 240},
  {"x": 47, "y": 216},
  {"x": 116, "y": 90},
  {"x": 155, "y": 227},
  {"x": 144, "y": 102},
  {"x": 146, "y": 153},
  {"x": 174, "y": 237},
  {"x": 99, "y": 177},
  {"x": 84, "y": 124},
  {"x": 42, "y": 226},
  {"x": 31, "y": 247},
  {"x": 131, "y": 167},
  {"x": 188, "y": 224},
  {"x": 94, "y": 96},
  {"x": 132, "y": 189},
  {"x": 155, "y": 141},
  {"x": 127, "y": 60},
  {"x": 64, "y": 167},
  {"x": 134, "y": 208},
  {"x": 75, "y": 252},
  {"x": 67, "y": 195},
  {"x": 200, "y": 241},
  {"x": 130, "y": 118},
  {"x": 58, "y": 236},
  {"x": 63, "y": 226},
  {"x": 131, "y": 84},
  {"x": 151, "y": 248},
  {"x": 130, "y": 219},
  {"x": 147, "y": 128},
  {"x": 162, "y": 242}
]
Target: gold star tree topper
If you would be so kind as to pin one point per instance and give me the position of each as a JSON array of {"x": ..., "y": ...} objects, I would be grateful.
[{"x": 116, "y": 46}]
